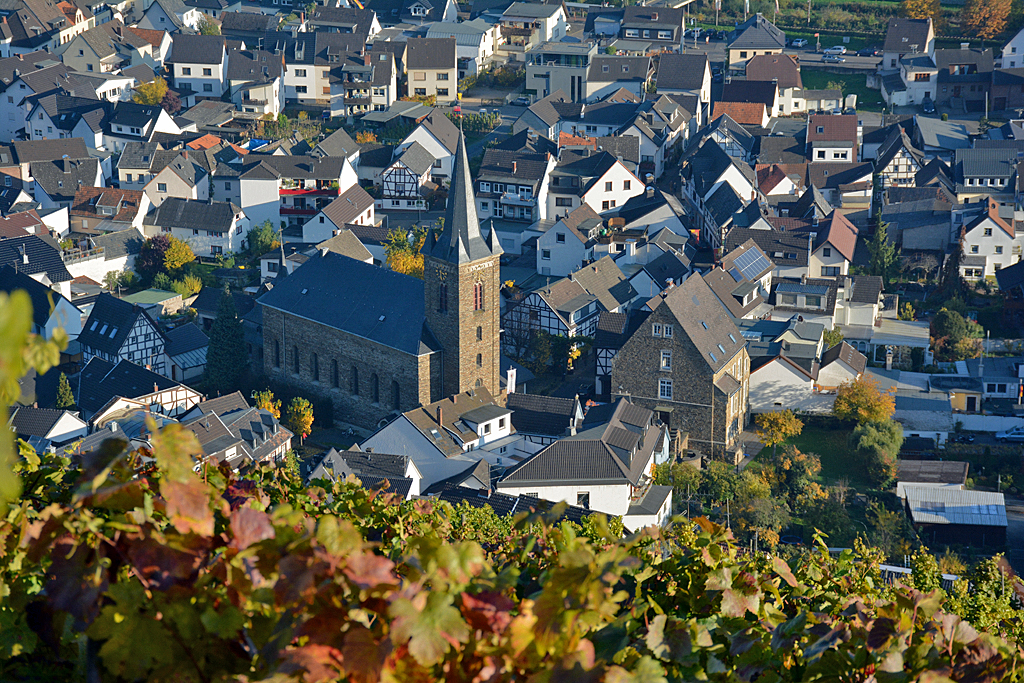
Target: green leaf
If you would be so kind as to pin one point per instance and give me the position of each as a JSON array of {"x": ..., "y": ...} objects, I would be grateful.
[
  {"x": 430, "y": 624},
  {"x": 225, "y": 623},
  {"x": 782, "y": 569},
  {"x": 134, "y": 642}
]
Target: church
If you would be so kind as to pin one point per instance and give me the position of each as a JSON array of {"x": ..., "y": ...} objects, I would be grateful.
[{"x": 379, "y": 343}]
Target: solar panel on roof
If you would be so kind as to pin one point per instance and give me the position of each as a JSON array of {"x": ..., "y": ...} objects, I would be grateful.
[
  {"x": 735, "y": 274},
  {"x": 752, "y": 263}
]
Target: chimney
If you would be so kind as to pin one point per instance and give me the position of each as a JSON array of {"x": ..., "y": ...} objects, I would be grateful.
[
  {"x": 186, "y": 154},
  {"x": 669, "y": 284},
  {"x": 24, "y": 254},
  {"x": 513, "y": 168},
  {"x": 631, "y": 250},
  {"x": 650, "y": 191},
  {"x": 654, "y": 16},
  {"x": 510, "y": 381},
  {"x": 888, "y": 358},
  {"x": 112, "y": 426},
  {"x": 440, "y": 417}
]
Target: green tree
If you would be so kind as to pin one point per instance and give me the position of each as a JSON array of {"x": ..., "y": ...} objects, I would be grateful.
[
  {"x": 207, "y": 27},
  {"x": 830, "y": 517},
  {"x": 111, "y": 280},
  {"x": 299, "y": 418},
  {"x": 226, "y": 358},
  {"x": 402, "y": 250},
  {"x": 777, "y": 427},
  {"x": 833, "y": 337},
  {"x": 951, "y": 325},
  {"x": 65, "y": 398},
  {"x": 261, "y": 238},
  {"x": 189, "y": 285},
  {"x": 163, "y": 281},
  {"x": 152, "y": 92},
  {"x": 890, "y": 530},
  {"x": 883, "y": 253},
  {"x": 862, "y": 400},
  {"x": 878, "y": 445},
  {"x": 178, "y": 255}
]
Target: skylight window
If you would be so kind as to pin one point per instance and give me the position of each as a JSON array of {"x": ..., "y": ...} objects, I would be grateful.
[
  {"x": 703, "y": 324},
  {"x": 103, "y": 330},
  {"x": 732, "y": 338},
  {"x": 721, "y": 348},
  {"x": 113, "y": 331},
  {"x": 92, "y": 328},
  {"x": 712, "y": 354}
]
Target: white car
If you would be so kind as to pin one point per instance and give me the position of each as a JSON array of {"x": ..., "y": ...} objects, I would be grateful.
[
  {"x": 1015, "y": 434},
  {"x": 800, "y": 42},
  {"x": 836, "y": 50}
]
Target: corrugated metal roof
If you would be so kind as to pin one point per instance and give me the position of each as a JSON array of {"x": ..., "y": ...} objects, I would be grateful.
[{"x": 932, "y": 505}]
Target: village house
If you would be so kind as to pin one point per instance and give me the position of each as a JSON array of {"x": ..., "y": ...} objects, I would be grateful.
[
  {"x": 118, "y": 331},
  {"x": 210, "y": 228}
]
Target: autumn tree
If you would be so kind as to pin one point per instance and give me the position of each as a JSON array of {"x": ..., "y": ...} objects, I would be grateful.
[
  {"x": 985, "y": 18},
  {"x": 862, "y": 400},
  {"x": 906, "y": 311},
  {"x": 65, "y": 398},
  {"x": 299, "y": 418},
  {"x": 207, "y": 27},
  {"x": 365, "y": 137},
  {"x": 833, "y": 337},
  {"x": 776, "y": 427},
  {"x": 178, "y": 254},
  {"x": 261, "y": 238},
  {"x": 920, "y": 9},
  {"x": 152, "y": 92},
  {"x": 402, "y": 250},
  {"x": 150, "y": 260},
  {"x": 265, "y": 401}
]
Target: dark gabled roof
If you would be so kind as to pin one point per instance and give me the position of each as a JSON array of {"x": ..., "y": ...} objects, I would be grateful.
[
  {"x": 198, "y": 49},
  {"x": 351, "y": 204},
  {"x": 61, "y": 179},
  {"x": 441, "y": 127},
  {"x": 705, "y": 321},
  {"x": 706, "y": 165},
  {"x": 42, "y": 257},
  {"x": 194, "y": 214},
  {"x": 416, "y": 158},
  {"x": 847, "y": 354},
  {"x": 500, "y": 164},
  {"x": 224, "y": 405},
  {"x": 527, "y": 140},
  {"x": 775, "y": 244},
  {"x": 755, "y": 92},
  {"x": 668, "y": 266},
  {"x": 134, "y": 115},
  {"x": 247, "y": 22},
  {"x": 975, "y": 162},
  {"x": 286, "y": 166},
  {"x": 109, "y": 323},
  {"x": 430, "y": 53},
  {"x": 254, "y": 66},
  {"x": 40, "y": 294},
  {"x": 781, "y": 149},
  {"x": 35, "y": 421},
  {"x": 101, "y": 381},
  {"x": 353, "y": 296},
  {"x": 624, "y": 147},
  {"x": 614, "y": 329},
  {"x": 835, "y": 175},
  {"x": 544, "y": 109},
  {"x": 784, "y": 69},
  {"x": 337, "y": 144},
  {"x": 723, "y": 203},
  {"x": 185, "y": 338},
  {"x": 28, "y": 151},
  {"x": 547, "y": 415},
  {"x": 898, "y": 139},
  {"x": 615, "y": 445},
  {"x": 358, "y": 20},
  {"x": 932, "y": 472},
  {"x": 904, "y": 33},
  {"x": 978, "y": 65},
  {"x": 1010, "y": 276},
  {"x": 757, "y": 33},
  {"x": 66, "y": 111},
  {"x": 866, "y": 289},
  {"x": 612, "y": 68},
  {"x": 682, "y": 71},
  {"x": 120, "y": 243}
]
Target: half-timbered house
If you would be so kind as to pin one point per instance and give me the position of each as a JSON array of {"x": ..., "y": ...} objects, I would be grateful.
[
  {"x": 898, "y": 161},
  {"x": 404, "y": 181},
  {"x": 116, "y": 330},
  {"x": 105, "y": 391},
  {"x": 569, "y": 307}
]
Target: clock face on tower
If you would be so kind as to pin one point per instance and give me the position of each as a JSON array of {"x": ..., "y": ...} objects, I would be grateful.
[{"x": 442, "y": 274}]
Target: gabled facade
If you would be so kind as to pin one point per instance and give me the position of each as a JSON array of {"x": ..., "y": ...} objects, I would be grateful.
[
  {"x": 210, "y": 228},
  {"x": 989, "y": 242},
  {"x": 432, "y": 68},
  {"x": 199, "y": 64},
  {"x": 599, "y": 180},
  {"x": 291, "y": 189},
  {"x": 525, "y": 25},
  {"x": 116, "y": 330},
  {"x": 755, "y": 36},
  {"x": 898, "y": 161},
  {"x": 513, "y": 185}
]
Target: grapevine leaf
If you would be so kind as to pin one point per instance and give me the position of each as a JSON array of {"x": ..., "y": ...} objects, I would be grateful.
[
  {"x": 135, "y": 642},
  {"x": 429, "y": 624},
  {"x": 487, "y": 611},
  {"x": 320, "y": 662},
  {"x": 249, "y": 526},
  {"x": 368, "y": 570},
  {"x": 364, "y": 657},
  {"x": 188, "y": 506},
  {"x": 782, "y": 569}
]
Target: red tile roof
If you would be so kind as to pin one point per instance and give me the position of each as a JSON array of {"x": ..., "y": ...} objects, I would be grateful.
[
  {"x": 749, "y": 113},
  {"x": 127, "y": 202},
  {"x": 21, "y": 224},
  {"x": 205, "y": 142},
  {"x": 840, "y": 233}
]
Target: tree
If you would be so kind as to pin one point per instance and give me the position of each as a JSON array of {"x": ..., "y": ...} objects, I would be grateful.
[
  {"x": 152, "y": 92},
  {"x": 207, "y": 27},
  {"x": 299, "y": 418},
  {"x": 776, "y": 427},
  {"x": 188, "y": 286},
  {"x": 883, "y": 253},
  {"x": 163, "y": 281},
  {"x": 65, "y": 399},
  {"x": 920, "y": 9},
  {"x": 178, "y": 254},
  {"x": 949, "y": 325},
  {"x": 111, "y": 280},
  {"x": 171, "y": 103},
  {"x": 829, "y": 516},
  {"x": 261, "y": 238},
  {"x": 265, "y": 401},
  {"x": 402, "y": 250},
  {"x": 837, "y": 85},
  {"x": 150, "y": 260},
  {"x": 985, "y": 18},
  {"x": 906, "y": 311},
  {"x": 862, "y": 400},
  {"x": 226, "y": 358},
  {"x": 365, "y": 137},
  {"x": 878, "y": 444},
  {"x": 833, "y": 337}
]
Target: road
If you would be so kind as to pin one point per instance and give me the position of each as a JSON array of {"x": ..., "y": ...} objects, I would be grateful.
[{"x": 715, "y": 50}]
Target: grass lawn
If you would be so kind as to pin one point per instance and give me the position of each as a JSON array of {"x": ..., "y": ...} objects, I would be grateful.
[
  {"x": 837, "y": 460},
  {"x": 856, "y": 84}
]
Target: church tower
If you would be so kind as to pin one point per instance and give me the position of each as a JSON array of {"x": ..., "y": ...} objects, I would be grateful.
[{"x": 462, "y": 280}]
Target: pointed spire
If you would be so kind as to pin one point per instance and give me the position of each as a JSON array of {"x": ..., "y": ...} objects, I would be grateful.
[{"x": 461, "y": 240}]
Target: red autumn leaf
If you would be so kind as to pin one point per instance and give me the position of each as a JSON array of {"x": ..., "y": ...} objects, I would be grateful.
[
  {"x": 74, "y": 584},
  {"x": 487, "y": 611},
  {"x": 364, "y": 656},
  {"x": 319, "y": 662},
  {"x": 188, "y": 506},
  {"x": 162, "y": 565},
  {"x": 367, "y": 570},
  {"x": 249, "y": 526}
]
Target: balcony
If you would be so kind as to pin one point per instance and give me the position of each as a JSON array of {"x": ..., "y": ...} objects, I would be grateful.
[
  {"x": 79, "y": 255},
  {"x": 510, "y": 199},
  {"x": 293, "y": 211},
  {"x": 312, "y": 191}
]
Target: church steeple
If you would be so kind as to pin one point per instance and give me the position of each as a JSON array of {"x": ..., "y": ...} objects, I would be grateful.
[
  {"x": 461, "y": 240},
  {"x": 461, "y": 284}
]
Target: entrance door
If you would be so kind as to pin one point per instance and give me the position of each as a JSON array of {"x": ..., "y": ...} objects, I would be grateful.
[
  {"x": 956, "y": 91},
  {"x": 972, "y": 404}
]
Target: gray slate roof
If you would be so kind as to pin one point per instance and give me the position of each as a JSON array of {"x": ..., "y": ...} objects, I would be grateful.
[
  {"x": 758, "y": 33},
  {"x": 42, "y": 256},
  {"x": 188, "y": 49},
  {"x": 190, "y": 213},
  {"x": 430, "y": 53}
]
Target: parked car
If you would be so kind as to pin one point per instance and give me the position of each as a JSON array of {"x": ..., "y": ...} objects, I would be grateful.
[
  {"x": 833, "y": 59},
  {"x": 835, "y": 50},
  {"x": 1016, "y": 435},
  {"x": 799, "y": 42},
  {"x": 928, "y": 106},
  {"x": 522, "y": 102},
  {"x": 717, "y": 78},
  {"x": 869, "y": 52}
]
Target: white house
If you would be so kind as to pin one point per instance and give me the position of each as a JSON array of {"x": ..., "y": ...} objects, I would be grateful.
[
  {"x": 440, "y": 138},
  {"x": 171, "y": 16},
  {"x": 1013, "y": 51},
  {"x": 292, "y": 189},
  {"x": 841, "y": 363},
  {"x": 353, "y": 207},
  {"x": 475, "y": 42},
  {"x": 47, "y": 317},
  {"x": 599, "y": 180},
  {"x": 183, "y": 178},
  {"x": 131, "y": 122},
  {"x": 565, "y": 246},
  {"x": 210, "y": 228},
  {"x": 989, "y": 243},
  {"x": 199, "y": 64},
  {"x": 55, "y": 426}
]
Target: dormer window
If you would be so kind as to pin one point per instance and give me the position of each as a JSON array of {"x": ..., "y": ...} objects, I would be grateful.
[{"x": 821, "y": 129}]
